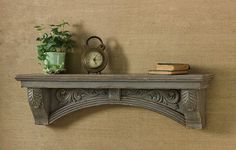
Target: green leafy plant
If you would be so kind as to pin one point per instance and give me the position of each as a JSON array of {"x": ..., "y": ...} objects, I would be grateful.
[{"x": 57, "y": 39}]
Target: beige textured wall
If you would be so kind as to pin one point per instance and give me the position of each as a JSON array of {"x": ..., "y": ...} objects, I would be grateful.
[{"x": 140, "y": 32}]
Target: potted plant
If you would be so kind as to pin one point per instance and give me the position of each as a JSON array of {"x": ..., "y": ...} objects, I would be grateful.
[{"x": 53, "y": 46}]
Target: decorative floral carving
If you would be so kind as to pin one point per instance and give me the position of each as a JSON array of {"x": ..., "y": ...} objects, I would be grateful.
[
  {"x": 35, "y": 97},
  {"x": 166, "y": 97},
  {"x": 65, "y": 96},
  {"x": 189, "y": 98}
]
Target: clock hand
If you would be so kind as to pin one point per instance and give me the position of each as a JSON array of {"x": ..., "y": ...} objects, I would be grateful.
[
  {"x": 94, "y": 60},
  {"x": 95, "y": 57}
]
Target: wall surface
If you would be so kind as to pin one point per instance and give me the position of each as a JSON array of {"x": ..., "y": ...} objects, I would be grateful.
[{"x": 138, "y": 33}]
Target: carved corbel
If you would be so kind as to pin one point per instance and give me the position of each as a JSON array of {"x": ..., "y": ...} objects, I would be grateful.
[
  {"x": 39, "y": 103},
  {"x": 193, "y": 103}
]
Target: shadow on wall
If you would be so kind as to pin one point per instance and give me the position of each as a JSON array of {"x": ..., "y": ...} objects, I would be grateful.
[
  {"x": 73, "y": 63},
  {"x": 117, "y": 61},
  {"x": 0, "y": 37}
]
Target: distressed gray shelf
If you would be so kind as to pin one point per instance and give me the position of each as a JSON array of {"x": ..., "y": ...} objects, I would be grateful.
[{"x": 179, "y": 97}]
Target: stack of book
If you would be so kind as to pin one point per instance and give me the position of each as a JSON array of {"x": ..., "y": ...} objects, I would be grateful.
[{"x": 170, "y": 68}]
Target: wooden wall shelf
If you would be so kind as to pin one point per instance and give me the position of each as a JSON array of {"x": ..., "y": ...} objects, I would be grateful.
[{"x": 179, "y": 97}]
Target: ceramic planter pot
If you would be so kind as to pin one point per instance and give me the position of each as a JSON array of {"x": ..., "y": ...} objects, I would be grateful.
[{"x": 54, "y": 62}]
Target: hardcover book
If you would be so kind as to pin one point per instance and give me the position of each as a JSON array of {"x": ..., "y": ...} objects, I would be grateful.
[
  {"x": 167, "y": 72},
  {"x": 172, "y": 67}
]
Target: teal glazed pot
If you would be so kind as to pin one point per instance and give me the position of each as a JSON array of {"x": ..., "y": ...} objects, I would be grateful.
[{"x": 55, "y": 62}]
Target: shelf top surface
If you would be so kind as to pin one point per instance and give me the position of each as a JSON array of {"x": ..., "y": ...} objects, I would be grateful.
[{"x": 112, "y": 77}]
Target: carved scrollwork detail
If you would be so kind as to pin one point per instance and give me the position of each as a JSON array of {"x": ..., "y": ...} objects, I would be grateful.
[
  {"x": 189, "y": 98},
  {"x": 66, "y": 96},
  {"x": 165, "y": 97},
  {"x": 35, "y": 97}
]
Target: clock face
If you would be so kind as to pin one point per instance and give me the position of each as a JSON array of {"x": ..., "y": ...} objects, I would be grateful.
[{"x": 94, "y": 59}]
